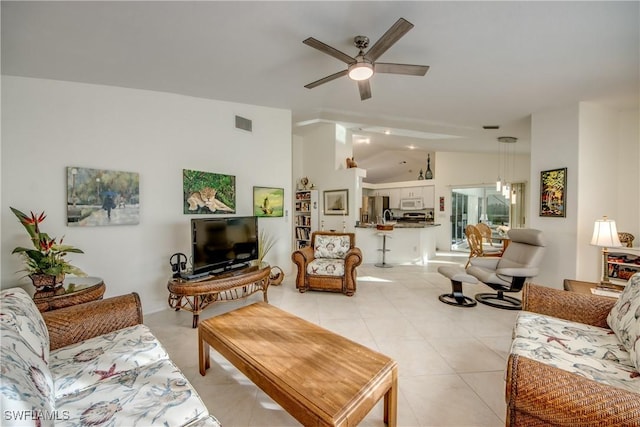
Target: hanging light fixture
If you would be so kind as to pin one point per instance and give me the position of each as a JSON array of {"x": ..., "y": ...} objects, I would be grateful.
[
  {"x": 499, "y": 180},
  {"x": 360, "y": 70},
  {"x": 502, "y": 184}
]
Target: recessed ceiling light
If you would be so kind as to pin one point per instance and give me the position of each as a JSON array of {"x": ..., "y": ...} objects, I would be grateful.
[
  {"x": 387, "y": 132},
  {"x": 412, "y": 147}
]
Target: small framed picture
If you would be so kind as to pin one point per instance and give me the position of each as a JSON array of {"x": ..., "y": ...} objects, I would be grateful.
[
  {"x": 336, "y": 202},
  {"x": 268, "y": 201},
  {"x": 553, "y": 193}
]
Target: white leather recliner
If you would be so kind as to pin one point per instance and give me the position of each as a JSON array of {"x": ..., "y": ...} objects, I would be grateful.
[{"x": 519, "y": 262}]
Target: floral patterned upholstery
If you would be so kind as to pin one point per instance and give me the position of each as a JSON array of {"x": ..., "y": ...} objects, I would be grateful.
[
  {"x": 590, "y": 351},
  {"x": 326, "y": 266},
  {"x": 329, "y": 263},
  {"x": 333, "y": 247},
  {"x": 624, "y": 318},
  {"x": 121, "y": 378}
]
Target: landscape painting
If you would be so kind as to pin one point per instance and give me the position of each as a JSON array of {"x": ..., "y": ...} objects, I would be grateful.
[
  {"x": 208, "y": 193},
  {"x": 97, "y": 197},
  {"x": 268, "y": 201}
]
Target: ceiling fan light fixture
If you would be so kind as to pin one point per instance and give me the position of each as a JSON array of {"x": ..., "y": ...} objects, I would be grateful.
[{"x": 360, "y": 71}]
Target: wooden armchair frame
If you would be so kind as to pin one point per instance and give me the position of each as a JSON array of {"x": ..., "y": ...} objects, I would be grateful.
[{"x": 345, "y": 284}]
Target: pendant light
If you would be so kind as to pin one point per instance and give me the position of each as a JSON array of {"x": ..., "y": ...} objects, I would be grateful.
[{"x": 503, "y": 184}]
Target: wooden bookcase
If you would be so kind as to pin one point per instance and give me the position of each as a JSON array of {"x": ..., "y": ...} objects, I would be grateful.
[{"x": 305, "y": 219}]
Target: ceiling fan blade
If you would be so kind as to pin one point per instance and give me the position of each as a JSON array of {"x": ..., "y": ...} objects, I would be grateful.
[
  {"x": 322, "y": 47},
  {"x": 411, "y": 70},
  {"x": 365, "y": 89},
  {"x": 387, "y": 40},
  {"x": 327, "y": 79}
]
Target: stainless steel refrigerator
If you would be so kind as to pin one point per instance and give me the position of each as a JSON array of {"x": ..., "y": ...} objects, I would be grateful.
[{"x": 373, "y": 208}]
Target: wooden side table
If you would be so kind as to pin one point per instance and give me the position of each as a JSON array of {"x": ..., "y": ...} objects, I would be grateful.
[
  {"x": 582, "y": 287},
  {"x": 74, "y": 290}
]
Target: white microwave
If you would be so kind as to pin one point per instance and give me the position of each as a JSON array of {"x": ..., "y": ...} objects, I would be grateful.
[{"x": 411, "y": 204}]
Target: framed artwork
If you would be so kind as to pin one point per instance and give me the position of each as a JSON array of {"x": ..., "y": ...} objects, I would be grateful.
[
  {"x": 553, "y": 193},
  {"x": 208, "y": 193},
  {"x": 268, "y": 201},
  {"x": 98, "y": 197},
  {"x": 336, "y": 202}
]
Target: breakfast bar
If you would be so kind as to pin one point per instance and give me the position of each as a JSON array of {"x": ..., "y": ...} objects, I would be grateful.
[{"x": 406, "y": 244}]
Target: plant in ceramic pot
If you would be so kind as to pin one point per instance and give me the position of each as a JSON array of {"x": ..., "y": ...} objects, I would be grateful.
[{"x": 45, "y": 263}]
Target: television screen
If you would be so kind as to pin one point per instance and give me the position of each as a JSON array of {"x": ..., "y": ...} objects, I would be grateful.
[{"x": 223, "y": 243}]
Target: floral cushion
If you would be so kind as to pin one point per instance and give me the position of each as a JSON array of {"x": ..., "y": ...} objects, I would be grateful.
[
  {"x": 26, "y": 383},
  {"x": 122, "y": 378},
  {"x": 326, "y": 267},
  {"x": 101, "y": 358},
  {"x": 624, "y": 318},
  {"x": 573, "y": 337},
  {"x": 593, "y": 352},
  {"x": 619, "y": 374},
  {"x": 335, "y": 247},
  {"x": 153, "y": 395},
  {"x": 19, "y": 314}
]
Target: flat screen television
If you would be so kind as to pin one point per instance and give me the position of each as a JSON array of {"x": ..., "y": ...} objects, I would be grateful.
[{"x": 219, "y": 244}]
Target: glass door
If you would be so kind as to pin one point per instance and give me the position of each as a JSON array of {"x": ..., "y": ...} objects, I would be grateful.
[{"x": 471, "y": 205}]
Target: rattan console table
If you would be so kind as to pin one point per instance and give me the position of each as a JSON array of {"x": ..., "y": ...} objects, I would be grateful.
[{"x": 195, "y": 296}]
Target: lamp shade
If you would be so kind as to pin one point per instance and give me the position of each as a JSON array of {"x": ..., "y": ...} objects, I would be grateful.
[
  {"x": 605, "y": 233},
  {"x": 360, "y": 71}
]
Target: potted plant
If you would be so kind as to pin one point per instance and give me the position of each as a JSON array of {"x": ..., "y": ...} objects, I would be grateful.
[
  {"x": 45, "y": 263},
  {"x": 265, "y": 243}
]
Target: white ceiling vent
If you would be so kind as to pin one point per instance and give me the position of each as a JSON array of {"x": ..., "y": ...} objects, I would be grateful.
[{"x": 244, "y": 124}]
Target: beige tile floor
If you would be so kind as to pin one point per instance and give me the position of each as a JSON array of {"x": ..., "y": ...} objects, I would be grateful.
[{"x": 451, "y": 360}]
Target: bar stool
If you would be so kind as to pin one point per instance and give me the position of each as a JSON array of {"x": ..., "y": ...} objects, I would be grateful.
[{"x": 384, "y": 249}]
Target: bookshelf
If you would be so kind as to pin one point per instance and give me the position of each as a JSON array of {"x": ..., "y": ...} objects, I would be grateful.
[
  {"x": 622, "y": 264},
  {"x": 305, "y": 217}
]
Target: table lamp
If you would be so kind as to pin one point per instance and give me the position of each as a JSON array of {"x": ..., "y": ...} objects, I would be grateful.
[{"x": 605, "y": 235}]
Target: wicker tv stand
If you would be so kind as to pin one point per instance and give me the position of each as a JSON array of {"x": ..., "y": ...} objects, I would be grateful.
[{"x": 195, "y": 296}]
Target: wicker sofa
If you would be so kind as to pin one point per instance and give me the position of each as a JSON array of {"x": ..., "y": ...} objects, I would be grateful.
[
  {"x": 575, "y": 359},
  {"x": 90, "y": 364}
]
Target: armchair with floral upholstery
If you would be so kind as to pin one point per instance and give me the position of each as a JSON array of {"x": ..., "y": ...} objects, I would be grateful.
[{"x": 329, "y": 264}]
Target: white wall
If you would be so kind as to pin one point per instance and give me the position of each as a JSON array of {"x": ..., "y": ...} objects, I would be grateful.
[
  {"x": 323, "y": 151},
  {"x": 626, "y": 167},
  {"x": 49, "y": 125},
  {"x": 590, "y": 141},
  {"x": 597, "y": 128},
  {"x": 555, "y": 144}
]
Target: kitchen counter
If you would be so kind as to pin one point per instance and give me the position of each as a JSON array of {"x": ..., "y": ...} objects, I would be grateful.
[
  {"x": 403, "y": 225},
  {"x": 407, "y": 243}
]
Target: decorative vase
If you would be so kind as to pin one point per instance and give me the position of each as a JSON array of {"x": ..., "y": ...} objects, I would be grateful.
[{"x": 42, "y": 280}]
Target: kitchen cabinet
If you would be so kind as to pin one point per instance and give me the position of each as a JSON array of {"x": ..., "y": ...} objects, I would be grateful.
[
  {"x": 426, "y": 193},
  {"x": 411, "y": 192},
  {"x": 394, "y": 198},
  {"x": 429, "y": 196}
]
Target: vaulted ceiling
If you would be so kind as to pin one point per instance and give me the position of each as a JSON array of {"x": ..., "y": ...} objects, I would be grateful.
[{"x": 492, "y": 63}]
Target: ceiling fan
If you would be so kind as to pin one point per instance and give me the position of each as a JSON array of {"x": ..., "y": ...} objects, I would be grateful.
[{"x": 364, "y": 65}]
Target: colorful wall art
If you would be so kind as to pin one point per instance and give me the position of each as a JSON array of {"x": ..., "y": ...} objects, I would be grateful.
[{"x": 208, "y": 193}]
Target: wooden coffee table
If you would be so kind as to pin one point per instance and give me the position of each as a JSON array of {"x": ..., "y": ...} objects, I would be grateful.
[{"x": 317, "y": 376}]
